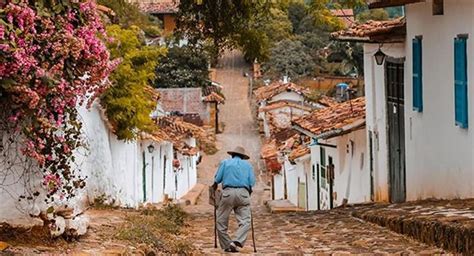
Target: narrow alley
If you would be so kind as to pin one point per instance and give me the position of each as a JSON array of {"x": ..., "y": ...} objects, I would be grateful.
[{"x": 288, "y": 233}]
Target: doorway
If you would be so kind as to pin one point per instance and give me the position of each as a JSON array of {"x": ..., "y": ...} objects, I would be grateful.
[{"x": 396, "y": 130}]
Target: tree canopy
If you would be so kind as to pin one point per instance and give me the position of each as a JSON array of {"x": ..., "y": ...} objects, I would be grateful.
[
  {"x": 289, "y": 57},
  {"x": 185, "y": 66},
  {"x": 217, "y": 21},
  {"x": 128, "y": 104}
]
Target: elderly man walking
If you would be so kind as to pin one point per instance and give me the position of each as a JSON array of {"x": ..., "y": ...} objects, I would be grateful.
[{"x": 237, "y": 178}]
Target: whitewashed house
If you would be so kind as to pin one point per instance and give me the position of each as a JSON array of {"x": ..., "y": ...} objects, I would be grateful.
[
  {"x": 279, "y": 115},
  {"x": 132, "y": 173},
  {"x": 120, "y": 173},
  {"x": 418, "y": 100},
  {"x": 383, "y": 106},
  {"x": 279, "y": 103},
  {"x": 336, "y": 173}
]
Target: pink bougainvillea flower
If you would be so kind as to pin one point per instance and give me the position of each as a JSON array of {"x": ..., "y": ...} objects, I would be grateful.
[{"x": 52, "y": 62}]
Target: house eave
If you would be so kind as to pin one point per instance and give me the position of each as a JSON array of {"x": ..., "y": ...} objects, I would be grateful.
[
  {"x": 390, "y": 3},
  {"x": 369, "y": 40},
  {"x": 357, "y": 125}
]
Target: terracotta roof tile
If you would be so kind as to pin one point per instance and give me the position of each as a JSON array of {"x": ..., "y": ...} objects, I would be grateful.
[
  {"x": 153, "y": 92},
  {"x": 342, "y": 12},
  {"x": 275, "y": 88},
  {"x": 333, "y": 118},
  {"x": 177, "y": 129},
  {"x": 269, "y": 150},
  {"x": 327, "y": 101},
  {"x": 369, "y": 31},
  {"x": 282, "y": 104},
  {"x": 214, "y": 97},
  {"x": 159, "y": 7},
  {"x": 298, "y": 152}
]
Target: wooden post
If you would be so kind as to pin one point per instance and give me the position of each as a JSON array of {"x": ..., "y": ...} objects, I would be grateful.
[{"x": 217, "y": 117}]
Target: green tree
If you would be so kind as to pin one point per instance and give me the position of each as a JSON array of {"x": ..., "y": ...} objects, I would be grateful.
[
  {"x": 128, "y": 14},
  {"x": 217, "y": 21},
  {"x": 182, "y": 67},
  {"x": 128, "y": 104},
  {"x": 297, "y": 12},
  {"x": 289, "y": 57},
  {"x": 376, "y": 14},
  {"x": 264, "y": 30},
  {"x": 255, "y": 45}
]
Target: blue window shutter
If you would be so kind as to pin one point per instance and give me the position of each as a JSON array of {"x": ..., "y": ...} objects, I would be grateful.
[
  {"x": 460, "y": 83},
  {"x": 417, "y": 75}
]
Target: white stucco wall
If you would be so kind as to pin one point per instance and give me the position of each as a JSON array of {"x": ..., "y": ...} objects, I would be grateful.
[
  {"x": 351, "y": 175},
  {"x": 293, "y": 174},
  {"x": 293, "y": 96},
  {"x": 376, "y": 109},
  {"x": 439, "y": 155},
  {"x": 278, "y": 186},
  {"x": 114, "y": 169}
]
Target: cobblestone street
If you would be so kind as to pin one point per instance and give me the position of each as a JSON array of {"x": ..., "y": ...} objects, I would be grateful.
[{"x": 286, "y": 233}]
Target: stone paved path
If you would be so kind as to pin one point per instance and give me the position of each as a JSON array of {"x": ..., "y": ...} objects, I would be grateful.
[{"x": 291, "y": 233}]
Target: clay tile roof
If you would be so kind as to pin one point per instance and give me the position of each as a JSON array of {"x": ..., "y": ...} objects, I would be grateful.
[
  {"x": 177, "y": 129},
  {"x": 214, "y": 97},
  {"x": 284, "y": 134},
  {"x": 335, "y": 118},
  {"x": 327, "y": 101},
  {"x": 157, "y": 136},
  {"x": 298, "y": 152},
  {"x": 342, "y": 12},
  {"x": 269, "y": 150},
  {"x": 282, "y": 104},
  {"x": 389, "y": 3},
  {"x": 374, "y": 31},
  {"x": 159, "y": 7},
  {"x": 154, "y": 93},
  {"x": 275, "y": 88},
  {"x": 185, "y": 149}
]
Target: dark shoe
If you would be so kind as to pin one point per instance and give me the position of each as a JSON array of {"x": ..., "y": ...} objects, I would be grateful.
[
  {"x": 238, "y": 244},
  {"x": 232, "y": 248}
]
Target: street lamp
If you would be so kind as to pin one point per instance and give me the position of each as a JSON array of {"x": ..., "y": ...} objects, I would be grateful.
[
  {"x": 151, "y": 148},
  {"x": 379, "y": 57}
]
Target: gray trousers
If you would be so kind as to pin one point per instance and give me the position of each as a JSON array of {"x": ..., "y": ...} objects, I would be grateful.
[{"x": 238, "y": 200}]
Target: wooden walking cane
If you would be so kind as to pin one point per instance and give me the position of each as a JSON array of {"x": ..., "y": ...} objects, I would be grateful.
[
  {"x": 215, "y": 221},
  {"x": 253, "y": 232},
  {"x": 213, "y": 194}
]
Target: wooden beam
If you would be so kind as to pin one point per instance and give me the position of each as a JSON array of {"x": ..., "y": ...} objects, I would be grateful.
[{"x": 389, "y": 3}]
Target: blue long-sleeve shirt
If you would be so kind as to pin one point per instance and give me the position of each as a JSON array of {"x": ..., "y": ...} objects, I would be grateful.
[{"x": 235, "y": 172}]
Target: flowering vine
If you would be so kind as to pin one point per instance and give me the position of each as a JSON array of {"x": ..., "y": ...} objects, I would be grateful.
[{"x": 52, "y": 59}]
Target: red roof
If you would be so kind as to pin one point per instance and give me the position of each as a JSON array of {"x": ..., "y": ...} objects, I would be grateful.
[
  {"x": 298, "y": 152},
  {"x": 374, "y": 31},
  {"x": 282, "y": 104},
  {"x": 335, "y": 118},
  {"x": 342, "y": 12},
  {"x": 159, "y": 6},
  {"x": 214, "y": 97},
  {"x": 275, "y": 88}
]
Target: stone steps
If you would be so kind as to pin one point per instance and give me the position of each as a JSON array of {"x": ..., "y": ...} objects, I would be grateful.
[{"x": 450, "y": 229}]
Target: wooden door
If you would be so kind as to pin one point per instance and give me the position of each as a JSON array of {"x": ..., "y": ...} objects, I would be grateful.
[{"x": 396, "y": 131}]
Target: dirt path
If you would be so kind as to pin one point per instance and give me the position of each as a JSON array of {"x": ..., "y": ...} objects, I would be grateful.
[{"x": 293, "y": 233}]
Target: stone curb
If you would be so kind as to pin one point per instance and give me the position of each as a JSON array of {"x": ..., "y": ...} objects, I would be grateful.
[
  {"x": 455, "y": 234},
  {"x": 192, "y": 196}
]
